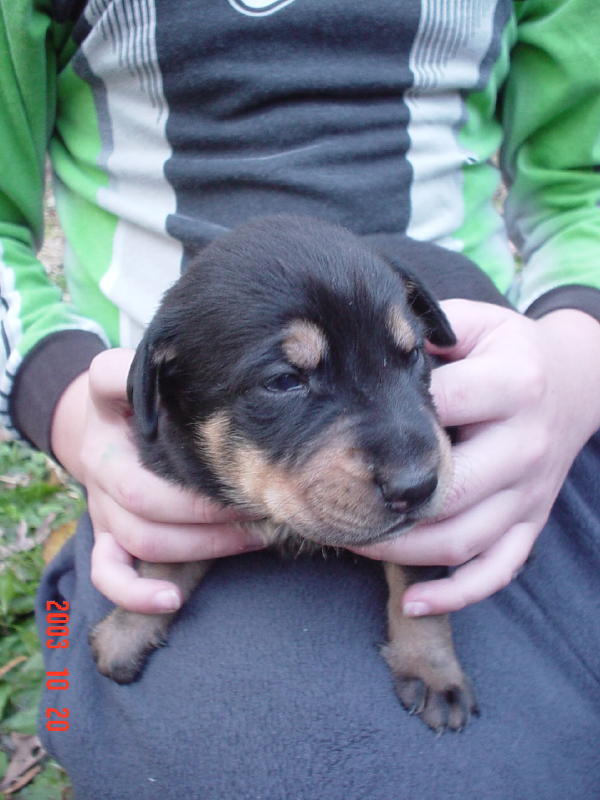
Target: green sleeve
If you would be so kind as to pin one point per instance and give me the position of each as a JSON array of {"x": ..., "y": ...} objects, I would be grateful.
[
  {"x": 32, "y": 307},
  {"x": 551, "y": 151}
]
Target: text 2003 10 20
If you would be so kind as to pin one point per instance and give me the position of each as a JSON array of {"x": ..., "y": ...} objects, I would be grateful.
[{"x": 57, "y": 631}]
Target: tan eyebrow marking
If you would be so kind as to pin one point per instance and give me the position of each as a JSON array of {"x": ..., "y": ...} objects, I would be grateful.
[
  {"x": 305, "y": 344},
  {"x": 401, "y": 329}
]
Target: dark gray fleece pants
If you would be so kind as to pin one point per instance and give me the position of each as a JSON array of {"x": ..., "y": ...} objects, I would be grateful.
[{"x": 272, "y": 686}]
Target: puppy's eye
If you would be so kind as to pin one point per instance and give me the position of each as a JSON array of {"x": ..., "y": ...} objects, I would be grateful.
[{"x": 287, "y": 382}]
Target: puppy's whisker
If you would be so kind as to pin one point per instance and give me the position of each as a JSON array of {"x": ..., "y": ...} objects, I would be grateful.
[{"x": 301, "y": 547}]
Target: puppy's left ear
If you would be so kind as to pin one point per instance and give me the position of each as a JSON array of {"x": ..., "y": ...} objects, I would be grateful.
[
  {"x": 425, "y": 306},
  {"x": 442, "y": 269},
  {"x": 143, "y": 383}
]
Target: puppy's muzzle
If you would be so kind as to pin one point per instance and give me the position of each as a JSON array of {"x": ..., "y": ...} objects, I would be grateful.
[{"x": 405, "y": 490}]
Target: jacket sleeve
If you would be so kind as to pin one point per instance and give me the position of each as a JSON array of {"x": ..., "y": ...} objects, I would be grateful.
[
  {"x": 551, "y": 154},
  {"x": 44, "y": 342}
]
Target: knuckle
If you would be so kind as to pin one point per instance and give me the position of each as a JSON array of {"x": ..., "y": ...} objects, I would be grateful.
[
  {"x": 456, "y": 398},
  {"x": 96, "y": 573},
  {"x": 211, "y": 545},
  {"x": 214, "y": 546},
  {"x": 225, "y": 543},
  {"x": 503, "y": 578},
  {"x": 440, "y": 397},
  {"x": 463, "y": 594},
  {"x": 536, "y": 494},
  {"x": 457, "y": 553},
  {"x": 450, "y": 396},
  {"x": 202, "y": 508},
  {"x": 88, "y": 458},
  {"x": 132, "y": 498},
  {"x": 97, "y": 370},
  {"x": 531, "y": 381},
  {"x": 537, "y": 451},
  {"x": 138, "y": 543},
  {"x": 465, "y": 598}
]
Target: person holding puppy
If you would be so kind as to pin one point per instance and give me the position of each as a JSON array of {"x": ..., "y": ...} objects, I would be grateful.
[{"x": 167, "y": 127}]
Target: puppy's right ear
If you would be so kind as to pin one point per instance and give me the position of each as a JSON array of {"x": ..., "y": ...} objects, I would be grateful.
[{"x": 143, "y": 382}]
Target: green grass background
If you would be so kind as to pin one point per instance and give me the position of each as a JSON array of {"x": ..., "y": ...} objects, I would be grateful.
[{"x": 35, "y": 497}]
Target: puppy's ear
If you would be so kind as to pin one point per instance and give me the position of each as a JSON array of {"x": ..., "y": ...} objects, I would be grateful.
[
  {"x": 426, "y": 307},
  {"x": 429, "y": 261},
  {"x": 143, "y": 383}
]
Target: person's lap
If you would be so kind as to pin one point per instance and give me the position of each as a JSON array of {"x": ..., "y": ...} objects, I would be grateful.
[{"x": 272, "y": 685}]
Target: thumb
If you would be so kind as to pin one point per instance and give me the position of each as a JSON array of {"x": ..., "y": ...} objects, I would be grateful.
[
  {"x": 108, "y": 381},
  {"x": 471, "y": 322}
]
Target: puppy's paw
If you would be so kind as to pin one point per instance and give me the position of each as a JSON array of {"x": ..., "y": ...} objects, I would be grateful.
[
  {"x": 442, "y": 705},
  {"x": 430, "y": 683},
  {"x": 123, "y": 640}
]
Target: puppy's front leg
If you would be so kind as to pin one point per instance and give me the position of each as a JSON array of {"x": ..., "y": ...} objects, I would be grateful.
[
  {"x": 122, "y": 641},
  {"x": 428, "y": 677}
]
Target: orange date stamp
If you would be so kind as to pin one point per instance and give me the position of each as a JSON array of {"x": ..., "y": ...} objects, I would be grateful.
[{"x": 57, "y": 633}]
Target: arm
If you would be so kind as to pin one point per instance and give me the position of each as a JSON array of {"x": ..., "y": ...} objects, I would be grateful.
[
  {"x": 551, "y": 153},
  {"x": 45, "y": 343}
]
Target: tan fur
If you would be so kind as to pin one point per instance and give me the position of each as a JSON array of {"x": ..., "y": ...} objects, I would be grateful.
[
  {"x": 401, "y": 329},
  {"x": 212, "y": 437},
  {"x": 305, "y": 344},
  {"x": 122, "y": 640},
  {"x": 445, "y": 471},
  {"x": 333, "y": 488},
  {"x": 331, "y": 497},
  {"x": 420, "y": 653}
]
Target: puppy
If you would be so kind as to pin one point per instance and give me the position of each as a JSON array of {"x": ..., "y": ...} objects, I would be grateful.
[{"x": 285, "y": 374}]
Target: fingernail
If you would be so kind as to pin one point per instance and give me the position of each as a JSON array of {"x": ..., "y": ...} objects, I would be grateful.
[
  {"x": 254, "y": 536},
  {"x": 416, "y": 609},
  {"x": 254, "y": 542},
  {"x": 167, "y": 600}
]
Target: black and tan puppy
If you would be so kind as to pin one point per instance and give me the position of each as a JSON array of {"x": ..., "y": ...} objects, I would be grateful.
[{"x": 285, "y": 374}]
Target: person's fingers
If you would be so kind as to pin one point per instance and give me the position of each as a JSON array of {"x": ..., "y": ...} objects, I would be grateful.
[
  {"x": 114, "y": 461},
  {"x": 471, "y": 322},
  {"x": 166, "y": 541},
  {"x": 497, "y": 458},
  {"x": 489, "y": 572},
  {"x": 475, "y": 390},
  {"x": 113, "y": 574},
  {"x": 108, "y": 378},
  {"x": 495, "y": 369},
  {"x": 150, "y": 497}
]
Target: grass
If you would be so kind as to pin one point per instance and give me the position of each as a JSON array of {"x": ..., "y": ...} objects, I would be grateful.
[{"x": 38, "y": 507}]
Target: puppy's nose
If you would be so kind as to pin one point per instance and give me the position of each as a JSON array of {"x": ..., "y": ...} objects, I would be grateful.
[{"x": 404, "y": 490}]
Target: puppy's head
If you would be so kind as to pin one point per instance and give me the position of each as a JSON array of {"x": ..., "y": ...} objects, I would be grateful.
[{"x": 285, "y": 373}]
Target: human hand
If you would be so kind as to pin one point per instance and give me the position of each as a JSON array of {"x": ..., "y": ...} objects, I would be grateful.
[
  {"x": 133, "y": 511},
  {"x": 525, "y": 394}
]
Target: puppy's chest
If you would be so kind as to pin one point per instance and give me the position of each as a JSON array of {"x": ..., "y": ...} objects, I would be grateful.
[{"x": 282, "y": 538}]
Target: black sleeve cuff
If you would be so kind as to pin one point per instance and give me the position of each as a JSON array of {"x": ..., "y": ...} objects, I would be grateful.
[
  {"x": 44, "y": 374},
  {"x": 581, "y": 298}
]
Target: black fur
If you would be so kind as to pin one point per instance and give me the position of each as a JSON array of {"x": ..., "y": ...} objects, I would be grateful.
[
  {"x": 330, "y": 440},
  {"x": 216, "y": 342}
]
